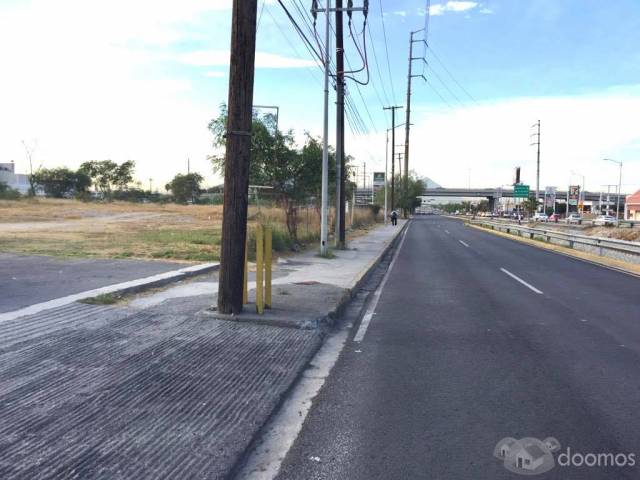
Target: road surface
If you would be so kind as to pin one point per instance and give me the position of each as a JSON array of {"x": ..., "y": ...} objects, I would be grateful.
[
  {"x": 476, "y": 338},
  {"x": 29, "y": 279}
]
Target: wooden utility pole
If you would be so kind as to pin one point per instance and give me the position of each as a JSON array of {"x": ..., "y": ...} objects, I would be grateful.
[
  {"x": 393, "y": 153},
  {"x": 237, "y": 156},
  {"x": 340, "y": 166}
]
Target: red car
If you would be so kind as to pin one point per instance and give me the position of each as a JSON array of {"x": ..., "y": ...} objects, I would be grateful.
[{"x": 554, "y": 217}]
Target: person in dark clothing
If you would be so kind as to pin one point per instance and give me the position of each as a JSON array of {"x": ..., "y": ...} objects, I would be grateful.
[{"x": 394, "y": 218}]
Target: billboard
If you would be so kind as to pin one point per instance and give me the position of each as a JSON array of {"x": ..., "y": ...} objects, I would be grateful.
[
  {"x": 378, "y": 181},
  {"x": 550, "y": 196},
  {"x": 573, "y": 194}
]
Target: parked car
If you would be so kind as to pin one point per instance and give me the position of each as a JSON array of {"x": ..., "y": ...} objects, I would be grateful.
[
  {"x": 554, "y": 217},
  {"x": 605, "y": 220},
  {"x": 574, "y": 218},
  {"x": 540, "y": 217}
]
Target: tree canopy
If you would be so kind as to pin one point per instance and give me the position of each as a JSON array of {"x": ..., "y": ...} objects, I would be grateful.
[
  {"x": 294, "y": 172},
  {"x": 62, "y": 182},
  {"x": 107, "y": 175},
  {"x": 185, "y": 187}
]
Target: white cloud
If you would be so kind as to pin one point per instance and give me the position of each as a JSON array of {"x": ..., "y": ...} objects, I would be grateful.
[
  {"x": 492, "y": 139},
  {"x": 458, "y": 6},
  {"x": 215, "y": 74},
  {"x": 220, "y": 58},
  {"x": 452, "y": 6},
  {"x": 486, "y": 11},
  {"x": 400, "y": 13}
]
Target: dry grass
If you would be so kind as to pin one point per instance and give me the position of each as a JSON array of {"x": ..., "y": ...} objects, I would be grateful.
[
  {"x": 129, "y": 230},
  {"x": 629, "y": 234}
]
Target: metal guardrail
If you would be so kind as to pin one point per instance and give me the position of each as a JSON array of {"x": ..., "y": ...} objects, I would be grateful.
[
  {"x": 602, "y": 245},
  {"x": 563, "y": 222}
]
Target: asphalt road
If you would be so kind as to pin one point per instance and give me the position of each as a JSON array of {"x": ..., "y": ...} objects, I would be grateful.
[
  {"x": 26, "y": 280},
  {"x": 461, "y": 354}
]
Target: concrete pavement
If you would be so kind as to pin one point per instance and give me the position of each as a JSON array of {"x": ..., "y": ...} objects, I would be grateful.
[
  {"x": 152, "y": 389},
  {"x": 477, "y": 338}
]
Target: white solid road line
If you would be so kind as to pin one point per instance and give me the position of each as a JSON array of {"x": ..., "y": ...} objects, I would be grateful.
[
  {"x": 366, "y": 320},
  {"x": 518, "y": 279},
  {"x": 282, "y": 430},
  {"x": 463, "y": 243}
]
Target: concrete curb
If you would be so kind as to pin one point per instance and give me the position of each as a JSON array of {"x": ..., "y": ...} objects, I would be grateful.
[
  {"x": 123, "y": 288},
  {"x": 324, "y": 319}
]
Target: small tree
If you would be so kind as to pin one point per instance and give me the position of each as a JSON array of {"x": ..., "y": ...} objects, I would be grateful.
[
  {"x": 29, "y": 149},
  {"x": 185, "y": 187},
  {"x": 295, "y": 174},
  {"x": 8, "y": 193},
  {"x": 529, "y": 205},
  {"x": 123, "y": 175},
  {"x": 409, "y": 200}
]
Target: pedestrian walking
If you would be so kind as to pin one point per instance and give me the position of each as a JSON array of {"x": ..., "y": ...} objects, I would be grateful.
[{"x": 394, "y": 218}]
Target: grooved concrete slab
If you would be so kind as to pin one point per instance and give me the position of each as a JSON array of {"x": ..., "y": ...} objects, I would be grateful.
[{"x": 102, "y": 392}]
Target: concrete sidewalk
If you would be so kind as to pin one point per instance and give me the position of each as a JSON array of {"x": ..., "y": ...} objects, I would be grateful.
[{"x": 153, "y": 389}]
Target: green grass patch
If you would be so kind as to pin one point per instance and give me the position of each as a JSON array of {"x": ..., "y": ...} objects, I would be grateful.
[
  {"x": 193, "y": 237},
  {"x": 104, "y": 299}
]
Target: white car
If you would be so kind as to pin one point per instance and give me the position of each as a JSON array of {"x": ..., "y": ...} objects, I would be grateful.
[
  {"x": 574, "y": 218},
  {"x": 540, "y": 217},
  {"x": 605, "y": 220}
]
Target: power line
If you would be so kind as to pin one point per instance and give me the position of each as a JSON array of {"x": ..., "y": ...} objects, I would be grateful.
[
  {"x": 386, "y": 48},
  {"x": 438, "y": 94},
  {"x": 293, "y": 47},
  {"x": 447, "y": 88},
  {"x": 304, "y": 38},
  {"x": 375, "y": 58},
  {"x": 435, "y": 55}
]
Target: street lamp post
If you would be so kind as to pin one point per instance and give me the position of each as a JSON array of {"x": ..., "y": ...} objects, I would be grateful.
[{"x": 619, "y": 186}]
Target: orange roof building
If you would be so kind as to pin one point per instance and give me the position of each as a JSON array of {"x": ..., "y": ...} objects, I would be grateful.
[{"x": 632, "y": 207}]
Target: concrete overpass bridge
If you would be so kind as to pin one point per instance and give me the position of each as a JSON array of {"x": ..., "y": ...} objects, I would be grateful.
[{"x": 492, "y": 194}]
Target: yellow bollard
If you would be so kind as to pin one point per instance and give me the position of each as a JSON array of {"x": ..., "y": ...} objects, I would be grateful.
[
  {"x": 245, "y": 283},
  {"x": 267, "y": 266},
  {"x": 259, "y": 269}
]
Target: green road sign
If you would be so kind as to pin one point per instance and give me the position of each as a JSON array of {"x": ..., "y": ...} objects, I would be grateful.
[{"x": 521, "y": 191}]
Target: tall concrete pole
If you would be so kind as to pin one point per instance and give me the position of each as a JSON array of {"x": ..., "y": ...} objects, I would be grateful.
[
  {"x": 393, "y": 153},
  {"x": 619, "y": 193},
  {"x": 324, "y": 212},
  {"x": 619, "y": 186},
  {"x": 386, "y": 181},
  {"x": 538, "y": 170},
  {"x": 407, "y": 125}
]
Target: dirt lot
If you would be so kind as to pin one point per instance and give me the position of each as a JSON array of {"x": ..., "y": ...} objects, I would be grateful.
[
  {"x": 629, "y": 234},
  {"x": 127, "y": 230}
]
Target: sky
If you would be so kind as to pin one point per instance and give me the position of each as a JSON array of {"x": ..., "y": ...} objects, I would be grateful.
[{"x": 140, "y": 79}]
